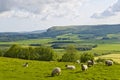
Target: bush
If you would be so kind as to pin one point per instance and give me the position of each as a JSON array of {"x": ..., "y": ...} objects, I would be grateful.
[
  {"x": 31, "y": 53},
  {"x": 13, "y": 51},
  {"x": 97, "y": 54},
  {"x": 86, "y": 56},
  {"x": 27, "y": 53},
  {"x": 1, "y": 53},
  {"x": 70, "y": 55},
  {"x": 100, "y": 60},
  {"x": 46, "y": 53}
]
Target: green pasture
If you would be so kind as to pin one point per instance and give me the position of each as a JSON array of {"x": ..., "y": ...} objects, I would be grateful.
[
  {"x": 114, "y": 57},
  {"x": 115, "y": 47},
  {"x": 12, "y": 69},
  {"x": 104, "y": 49},
  {"x": 35, "y": 41},
  {"x": 103, "y": 46},
  {"x": 30, "y": 41},
  {"x": 70, "y": 36}
]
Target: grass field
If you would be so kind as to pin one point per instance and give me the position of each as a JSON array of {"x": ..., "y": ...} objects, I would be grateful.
[
  {"x": 30, "y": 41},
  {"x": 12, "y": 69},
  {"x": 115, "y": 47},
  {"x": 114, "y": 57},
  {"x": 101, "y": 49},
  {"x": 106, "y": 49}
]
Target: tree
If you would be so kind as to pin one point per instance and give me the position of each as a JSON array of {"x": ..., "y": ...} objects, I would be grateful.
[
  {"x": 1, "y": 52},
  {"x": 23, "y": 53},
  {"x": 70, "y": 55},
  {"x": 46, "y": 53},
  {"x": 86, "y": 56},
  {"x": 13, "y": 51},
  {"x": 31, "y": 53}
]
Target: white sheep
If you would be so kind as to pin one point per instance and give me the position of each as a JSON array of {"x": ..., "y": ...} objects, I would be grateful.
[
  {"x": 25, "y": 65},
  {"x": 109, "y": 62},
  {"x": 78, "y": 61},
  {"x": 84, "y": 67},
  {"x": 70, "y": 67},
  {"x": 56, "y": 71},
  {"x": 90, "y": 63}
]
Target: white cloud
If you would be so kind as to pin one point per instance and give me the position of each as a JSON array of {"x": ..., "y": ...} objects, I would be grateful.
[
  {"x": 112, "y": 10},
  {"x": 43, "y": 9}
]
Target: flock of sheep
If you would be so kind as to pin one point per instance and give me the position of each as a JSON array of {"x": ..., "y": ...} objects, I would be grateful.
[{"x": 84, "y": 67}]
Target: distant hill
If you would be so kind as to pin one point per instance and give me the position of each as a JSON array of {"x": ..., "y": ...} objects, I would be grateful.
[
  {"x": 38, "y": 31},
  {"x": 84, "y": 29},
  {"x": 94, "y": 30},
  {"x": 15, "y": 36}
]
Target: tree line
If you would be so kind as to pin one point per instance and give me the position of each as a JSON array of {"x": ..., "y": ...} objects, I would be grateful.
[
  {"x": 43, "y": 53},
  {"x": 30, "y": 53}
]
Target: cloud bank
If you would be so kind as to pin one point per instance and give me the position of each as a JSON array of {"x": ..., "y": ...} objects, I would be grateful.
[
  {"x": 112, "y": 10},
  {"x": 42, "y": 9}
]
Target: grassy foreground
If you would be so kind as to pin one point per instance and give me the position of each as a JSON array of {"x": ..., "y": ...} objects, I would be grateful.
[{"x": 12, "y": 69}]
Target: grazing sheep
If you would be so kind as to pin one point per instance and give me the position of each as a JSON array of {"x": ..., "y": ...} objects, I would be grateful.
[
  {"x": 109, "y": 62},
  {"x": 84, "y": 67},
  {"x": 56, "y": 71},
  {"x": 25, "y": 65},
  {"x": 70, "y": 67},
  {"x": 90, "y": 63},
  {"x": 78, "y": 61}
]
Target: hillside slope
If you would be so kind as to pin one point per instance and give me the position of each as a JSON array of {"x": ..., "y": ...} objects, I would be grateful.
[
  {"x": 85, "y": 29},
  {"x": 12, "y": 69},
  {"x": 94, "y": 30}
]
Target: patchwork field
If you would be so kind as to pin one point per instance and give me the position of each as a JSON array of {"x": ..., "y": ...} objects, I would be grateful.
[
  {"x": 12, "y": 69},
  {"x": 30, "y": 41},
  {"x": 115, "y": 47},
  {"x": 114, "y": 57},
  {"x": 106, "y": 49}
]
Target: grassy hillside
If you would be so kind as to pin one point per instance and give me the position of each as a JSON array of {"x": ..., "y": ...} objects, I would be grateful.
[
  {"x": 105, "y": 38},
  {"x": 94, "y": 31},
  {"x": 61, "y": 36},
  {"x": 12, "y": 69}
]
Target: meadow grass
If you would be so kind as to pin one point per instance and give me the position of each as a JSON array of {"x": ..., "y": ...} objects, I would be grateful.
[
  {"x": 108, "y": 47},
  {"x": 114, "y": 57},
  {"x": 35, "y": 41},
  {"x": 30, "y": 41},
  {"x": 105, "y": 49},
  {"x": 12, "y": 69}
]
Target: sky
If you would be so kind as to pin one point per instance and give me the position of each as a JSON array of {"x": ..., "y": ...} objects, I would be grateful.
[{"x": 30, "y": 15}]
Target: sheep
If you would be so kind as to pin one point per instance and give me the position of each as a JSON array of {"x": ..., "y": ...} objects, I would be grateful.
[
  {"x": 84, "y": 67},
  {"x": 90, "y": 63},
  {"x": 25, "y": 65},
  {"x": 109, "y": 62},
  {"x": 78, "y": 61},
  {"x": 70, "y": 67},
  {"x": 56, "y": 71}
]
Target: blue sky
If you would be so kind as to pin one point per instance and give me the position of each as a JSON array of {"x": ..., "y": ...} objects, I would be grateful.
[{"x": 30, "y": 15}]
